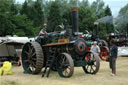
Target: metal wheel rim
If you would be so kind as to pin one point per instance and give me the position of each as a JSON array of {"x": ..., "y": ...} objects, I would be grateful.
[
  {"x": 93, "y": 63},
  {"x": 65, "y": 65},
  {"x": 32, "y": 58},
  {"x": 30, "y": 55}
]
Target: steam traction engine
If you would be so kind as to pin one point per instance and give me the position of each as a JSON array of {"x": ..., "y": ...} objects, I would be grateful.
[
  {"x": 61, "y": 51},
  {"x": 90, "y": 38}
]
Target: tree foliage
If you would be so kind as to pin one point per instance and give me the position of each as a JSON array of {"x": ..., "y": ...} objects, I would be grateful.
[
  {"x": 54, "y": 17},
  {"x": 26, "y": 19},
  {"x": 109, "y": 27},
  {"x": 122, "y": 20}
]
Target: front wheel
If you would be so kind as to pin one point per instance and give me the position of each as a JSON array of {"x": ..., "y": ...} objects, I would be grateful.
[
  {"x": 65, "y": 65},
  {"x": 93, "y": 63}
]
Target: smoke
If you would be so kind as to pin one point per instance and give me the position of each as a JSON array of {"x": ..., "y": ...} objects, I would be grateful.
[
  {"x": 105, "y": 20},
  {"x": 121, "y": 21}
]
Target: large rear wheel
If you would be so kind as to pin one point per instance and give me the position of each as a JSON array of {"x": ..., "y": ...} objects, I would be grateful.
[
  {"x": 65, "y": 65},
  {"x": 32, "y": 58},
  {"x": 93, "y": 63}
]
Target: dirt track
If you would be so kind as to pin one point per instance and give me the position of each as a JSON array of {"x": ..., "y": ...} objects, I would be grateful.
[{"x": 103, "y": 77}]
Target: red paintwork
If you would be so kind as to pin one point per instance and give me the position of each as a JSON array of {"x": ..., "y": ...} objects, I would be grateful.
[
  {"x": 81, "y": 43},
  {"x": 104, "y": 52}
]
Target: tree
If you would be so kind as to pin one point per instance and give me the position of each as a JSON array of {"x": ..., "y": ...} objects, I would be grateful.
[
  {"x": 98, "y": 8},
  {"x": 84, "y": 3},
  {"x": 26, "y": 19},
  {"x": 5, "y": 5},
  {"x": 108, "y": 11},
  {"x": 100, "y": 11},
  {"x": 34, "y": 11},
  {"x": 122, "y": 20},
  {"x": 24, "y": 26},
  {"x": 66, "y": 13},
  {"x": 54, "y": 17},
  {"x": 86, "y": 19},
  {"x": 123, "y": 10},
  {"x": 34, "y": 15},
  {"x": 6, "y": 26},
  {"x": 24, "y": 9},
  {"x": 38, "y": 15},
  {"x": 109, "y": 27},
  {"x": 14, "y": 9}
]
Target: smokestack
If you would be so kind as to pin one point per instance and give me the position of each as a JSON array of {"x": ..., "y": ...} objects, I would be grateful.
[
  {"x": 75, "y": 19},
  {"x": 96, "y": 29}
]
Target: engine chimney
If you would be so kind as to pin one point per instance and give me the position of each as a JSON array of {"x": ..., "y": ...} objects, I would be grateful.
[{"x": 75, "y": 19}]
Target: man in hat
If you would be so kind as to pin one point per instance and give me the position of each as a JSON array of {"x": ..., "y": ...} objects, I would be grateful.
[
  {"x": 43, "y": 30},
  {"x": 113, "y": 57},
  {"x": 95, "y": 47}
]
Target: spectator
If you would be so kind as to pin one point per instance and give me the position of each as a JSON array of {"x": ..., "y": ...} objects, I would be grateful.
[
  {"x": 113, "y": 57},
  {"x": 95, "y": 47}
]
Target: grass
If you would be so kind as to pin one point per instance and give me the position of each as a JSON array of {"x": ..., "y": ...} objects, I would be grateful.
[
  {"x": 6, "y": 82},
  {"x": 103, "y": 77}
]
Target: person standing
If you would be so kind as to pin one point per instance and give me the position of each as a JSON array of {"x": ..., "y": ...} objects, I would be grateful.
[
  {"x": 113, "y": 57},
  {"x": 95, "y": 48}
]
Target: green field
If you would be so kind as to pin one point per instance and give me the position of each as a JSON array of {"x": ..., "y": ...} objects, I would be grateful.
[{"x": 103, "y": 77}]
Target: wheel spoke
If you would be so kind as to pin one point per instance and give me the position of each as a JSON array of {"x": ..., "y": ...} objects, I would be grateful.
[
  {"x": 65, "y": 68},
  {"x": 32, "y": 49},
  {"x": 69, "y": 67},
  {"x": 87, "y": 67},
  {"x": 31, "y": 67},
  {"x": 34, "y": 59},
  {"x": 33, "y": 64},
  {"x": 66, "y": 72},
  {"x": 92, "y": 69},
  {"x": 28, "y": 68},
  {"x": 93, "y": 58},
  {"x": 26, "y": 61},
  {"x": 26, "y": 53},
  {"x": 33, "y": 54},
  {"x": 94, "y": 65},
  {"x": 60, "y": 62},
  {"x": 29, "y": 48},
  {"x": 63, "y": 60}
]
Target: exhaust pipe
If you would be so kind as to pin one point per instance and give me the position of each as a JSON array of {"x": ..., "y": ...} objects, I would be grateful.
[{"x": 75, "y": 19}]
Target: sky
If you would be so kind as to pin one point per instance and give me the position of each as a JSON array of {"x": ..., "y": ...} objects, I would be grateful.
[{"x": 115, "y": 5}]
